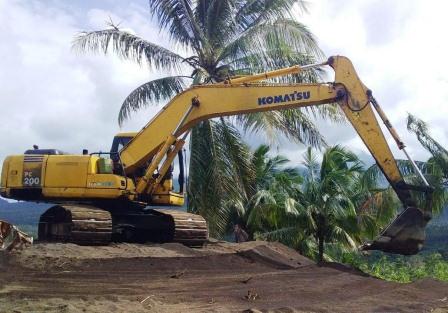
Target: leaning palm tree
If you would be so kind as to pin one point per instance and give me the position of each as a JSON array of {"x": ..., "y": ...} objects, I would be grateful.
[
  {"x": 216, "y": 39},
  {"x": 435, "y": 170},
  {"x": 439, "y": 160},
  {"x": 436, "y": 167}
]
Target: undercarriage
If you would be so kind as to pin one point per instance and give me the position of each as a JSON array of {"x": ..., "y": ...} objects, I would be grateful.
[{"x": 92, "y": 225}]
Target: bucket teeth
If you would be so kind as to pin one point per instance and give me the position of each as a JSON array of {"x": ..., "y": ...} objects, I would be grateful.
[{"x": 405, "y": 235}]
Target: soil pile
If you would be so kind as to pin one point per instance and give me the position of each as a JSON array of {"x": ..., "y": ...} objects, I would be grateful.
[{"x": 221, "y": 277}]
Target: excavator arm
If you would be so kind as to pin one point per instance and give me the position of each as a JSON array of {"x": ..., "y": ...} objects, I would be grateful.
[{"x": 157, "y": 143}]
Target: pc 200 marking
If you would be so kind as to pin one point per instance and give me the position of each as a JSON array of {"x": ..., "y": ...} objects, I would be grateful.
[
  {"x": 296, "y": 95},
  {"x": 30, "y": 180}
]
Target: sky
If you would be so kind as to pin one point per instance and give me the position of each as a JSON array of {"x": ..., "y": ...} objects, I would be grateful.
[{"x": 55, "y": 97}]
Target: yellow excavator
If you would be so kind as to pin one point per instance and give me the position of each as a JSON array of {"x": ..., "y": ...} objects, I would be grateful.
[{"x": 123, "y": 195}]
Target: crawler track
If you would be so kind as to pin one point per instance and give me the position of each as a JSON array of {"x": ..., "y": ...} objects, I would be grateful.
[
  {"x": 188, "y": 229},
  {"x": 83, "y": 225},
  {"x": 90, "y": 225}
]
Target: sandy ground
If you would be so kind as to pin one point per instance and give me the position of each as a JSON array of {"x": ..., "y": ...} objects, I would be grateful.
[{"x": 222, "y": 277}]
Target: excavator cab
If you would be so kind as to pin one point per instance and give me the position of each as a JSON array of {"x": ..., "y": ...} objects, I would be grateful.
[
  {"x": 120, "y": 140},
  {"x": 164, "y": 193}
]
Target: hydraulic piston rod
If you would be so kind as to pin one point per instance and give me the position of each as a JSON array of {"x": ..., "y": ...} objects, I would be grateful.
[
  {"x": 396, "y": 137},
  {"x": 148, "y": 181},
  {"x": 276, "y": 73}
]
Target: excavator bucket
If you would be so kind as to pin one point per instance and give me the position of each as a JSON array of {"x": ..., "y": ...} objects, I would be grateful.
[{"x": 405, "y": 235}]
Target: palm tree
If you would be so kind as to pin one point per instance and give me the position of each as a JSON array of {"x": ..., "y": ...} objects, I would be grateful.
[
  {"x": 436, "y": 167},
  {"x": 439, "y": 160},
  {"x": 375, "y": 201},
  {"x": 323, "y": 210},
  {"x": 328, "y": 197},
  {"x": 216, "y": 39},
  {"x": 274, "y": 189},
  {"x": 435, "y": 170}
]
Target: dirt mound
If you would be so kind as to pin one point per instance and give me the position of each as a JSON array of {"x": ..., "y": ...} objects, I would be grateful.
[
  {"x": 221, "y": 277},
  {"x": 47, "y": 256}
]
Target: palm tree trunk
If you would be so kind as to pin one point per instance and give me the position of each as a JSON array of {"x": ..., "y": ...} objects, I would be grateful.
[{"x": 320, "y": 256}]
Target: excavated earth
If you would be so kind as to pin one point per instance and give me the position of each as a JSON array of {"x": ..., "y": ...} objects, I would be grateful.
[{"x": 222, "y": 277}]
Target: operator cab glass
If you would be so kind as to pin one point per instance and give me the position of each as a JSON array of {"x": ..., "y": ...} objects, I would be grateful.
[
  {"x": 118, "y": 143},
  {"x": 122, "y": 139}
]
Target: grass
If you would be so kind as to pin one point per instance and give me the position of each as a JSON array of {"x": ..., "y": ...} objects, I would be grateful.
[{"x": 401, "y": 269}]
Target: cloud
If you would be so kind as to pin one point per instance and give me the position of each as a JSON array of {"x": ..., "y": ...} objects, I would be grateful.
[
  {"x": 50, "y": 95},
  {"x": 397, "y": 51}
]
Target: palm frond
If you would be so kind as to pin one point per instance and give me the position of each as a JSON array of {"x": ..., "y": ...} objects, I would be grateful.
[
  {"x": 129, "y": 47},
  {"x": 252, "y": 12},
  {"x": 291, "y": 123},
  {"x": 216, "y": 183},
  {"x": 439, "y": 153},
  {"x": 311, "y": 164},
  {"x": 420, "y": 128},
  {"x": 151, "y": 92},
  {"x": 219, "y": 23},
  {"x": 177, "y": 17},
  {"x": 293, "y": 34},
  {"x": 278, "y": 37}
]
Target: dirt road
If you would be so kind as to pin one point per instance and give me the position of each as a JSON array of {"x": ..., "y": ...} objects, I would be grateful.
[{"x": 222, "y": 277}]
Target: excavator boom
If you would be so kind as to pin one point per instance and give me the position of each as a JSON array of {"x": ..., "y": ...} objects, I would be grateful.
[
  {"x": 245, "y": 95},
  {"x": 142, "y": 167}
]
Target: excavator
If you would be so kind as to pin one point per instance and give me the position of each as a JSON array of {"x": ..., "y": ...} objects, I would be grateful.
[{"x": 127, "y": 194}]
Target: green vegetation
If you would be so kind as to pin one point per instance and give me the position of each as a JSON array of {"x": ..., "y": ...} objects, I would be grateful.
[
  {"x": 399, "y": 268},
  {"x": 328, "y": 203},
  {"x": 326, "y": 209},
  {"x": 439, "y": 160}
]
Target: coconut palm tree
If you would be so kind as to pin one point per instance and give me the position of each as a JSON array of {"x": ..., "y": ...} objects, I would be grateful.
[
  {"x": 439, "y": 160},
  {"x": 273, "y": 192},
  {"x": 323, "y": 210},
  {"x": 328, "y": 197},
  {"x": 216, "y": 39},
  {"x": 435, "y": 168}
]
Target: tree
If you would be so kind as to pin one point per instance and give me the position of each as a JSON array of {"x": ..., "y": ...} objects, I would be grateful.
[
  {"x": 436, "y": 167},
  {"x": 323, "y": 210},
  {"x": 439, "y": 160},
  {"x": 274, "y": 188},
  {"x": 219, "y": 38},
  {"x": 327, "y": 197},
  {"x": 375, "y": 201}
]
